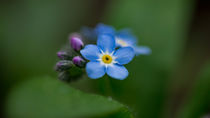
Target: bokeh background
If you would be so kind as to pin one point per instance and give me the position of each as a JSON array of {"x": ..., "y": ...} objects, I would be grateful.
[{"x": 172, "y": 82}]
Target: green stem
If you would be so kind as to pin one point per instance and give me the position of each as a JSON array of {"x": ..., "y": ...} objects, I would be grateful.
[{"x": 105, "y": 86}]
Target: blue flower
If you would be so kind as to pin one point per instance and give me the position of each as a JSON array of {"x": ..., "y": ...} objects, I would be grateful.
[
  {"x": 105, "y": 59},
  {"x": 124, "y": 38}
]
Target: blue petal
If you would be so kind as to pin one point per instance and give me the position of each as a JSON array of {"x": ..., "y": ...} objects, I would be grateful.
[
  {"x": 117, "y": 71},
  {"x": 90, "y": 52},
  {"x": 104, "y": 29},
  {"x": 106, "y": 42},
  {"x": 95, "y": 70},
  {"x": 144, "y": 50},
  {"x": 124, "y": 55},
  {"x": 127, "y": 36}
]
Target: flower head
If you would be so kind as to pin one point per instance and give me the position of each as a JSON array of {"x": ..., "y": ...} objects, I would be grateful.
[
  {"x": 105, "y": 59},
  {"x": 124, "y": 38},
  {"x": 112, "y": 51}
]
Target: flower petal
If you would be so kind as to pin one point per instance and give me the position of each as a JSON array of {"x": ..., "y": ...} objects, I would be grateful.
[
  {"x": 127, "y": 36},
  {"x": 104, "y": 29},
  {"x": 144, "y": 50},
  {"x": 117, "y": 71},
  {"x": 106, "y": 42},
  {"x": 95, "y": 70},
  {"x": 124, "y": 55},
  {"x": 90, "y": 52}
]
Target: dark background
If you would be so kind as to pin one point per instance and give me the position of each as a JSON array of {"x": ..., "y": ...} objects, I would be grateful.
[{"x": 174, "y": 81}]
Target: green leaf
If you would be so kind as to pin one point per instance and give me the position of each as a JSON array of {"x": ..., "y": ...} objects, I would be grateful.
[{"x": 49, "y": 98}]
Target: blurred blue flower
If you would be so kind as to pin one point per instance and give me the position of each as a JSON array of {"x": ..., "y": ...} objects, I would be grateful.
[
  {"x": 124, "y": 38},
  {"x": 105, "y": 59}
]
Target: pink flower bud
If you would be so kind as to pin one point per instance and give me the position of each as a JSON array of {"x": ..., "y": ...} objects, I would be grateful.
[
  {"x": 63, "y": 55},
  {"x": 78, "y": 61},
  {"x": 76, "y": 41}
]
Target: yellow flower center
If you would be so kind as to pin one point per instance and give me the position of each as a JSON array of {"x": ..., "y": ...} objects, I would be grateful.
[{"x": 107, "y": 59}]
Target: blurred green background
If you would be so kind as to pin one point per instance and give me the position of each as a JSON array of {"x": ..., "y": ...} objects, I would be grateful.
[{"x": 172, "y": 82}]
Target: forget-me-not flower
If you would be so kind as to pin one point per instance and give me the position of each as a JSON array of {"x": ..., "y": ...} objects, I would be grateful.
[
  {"x": 104, "y": 58},
  {"x": 124, "y": 38}
]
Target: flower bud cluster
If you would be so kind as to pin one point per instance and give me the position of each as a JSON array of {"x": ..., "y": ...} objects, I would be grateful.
[{"x": 70, "y": 59}]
